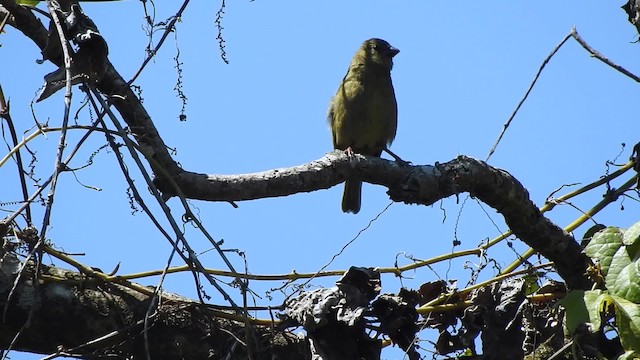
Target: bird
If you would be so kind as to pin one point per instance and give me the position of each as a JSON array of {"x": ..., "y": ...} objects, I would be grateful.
[{"x": 363, "y": 114}]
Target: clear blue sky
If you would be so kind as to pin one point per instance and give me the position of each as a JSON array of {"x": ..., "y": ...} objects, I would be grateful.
[{"x": 462, "y": 69}]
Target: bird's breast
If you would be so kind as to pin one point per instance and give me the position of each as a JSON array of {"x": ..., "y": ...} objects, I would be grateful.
[{"x": 368, "y": 114}]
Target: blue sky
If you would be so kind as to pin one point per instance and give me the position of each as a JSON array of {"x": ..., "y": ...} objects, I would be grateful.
[{"x": 462, "y": 69}]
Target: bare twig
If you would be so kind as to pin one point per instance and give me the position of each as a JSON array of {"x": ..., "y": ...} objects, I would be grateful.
[
  {"x": 96, "y": 341},
  {"x": 191, "y": 258},
  {"x": 344, "y": 247},
  {"x": 599, "y": 56},
  {"x": 156, "y": 295},
  {"x": 572, "y": 34},
  {"x": 167, "y": 31},
  {"x": 4, "y": 21},
  {"x": 524, "y": 98},
  {"x": 58, "y": 167},
  {"x": 58, "y": 162},
  {"x": 32, "y": 198},
  {"x": 5, "y": 114}
]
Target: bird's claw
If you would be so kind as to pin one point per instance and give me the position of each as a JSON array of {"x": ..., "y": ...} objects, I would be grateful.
[
  {"x": 397, "y": 158},
  {"x": 349, "y": 152}
]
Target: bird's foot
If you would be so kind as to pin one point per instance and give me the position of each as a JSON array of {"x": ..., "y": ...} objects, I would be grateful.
[
  {"x": 349, "y": 152},
  {"x": 397, "y": 158}
]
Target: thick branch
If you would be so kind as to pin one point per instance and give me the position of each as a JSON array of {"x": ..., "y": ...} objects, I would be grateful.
[
  {"x": 328, "y": 171},
  {"x": 413, "y": 185},
  {"x": 498, "y": 189},
  {"x": 74, "y": 310}
]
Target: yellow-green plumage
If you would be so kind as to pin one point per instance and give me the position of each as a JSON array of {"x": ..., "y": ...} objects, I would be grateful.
[{"x": 363, "y": 114}]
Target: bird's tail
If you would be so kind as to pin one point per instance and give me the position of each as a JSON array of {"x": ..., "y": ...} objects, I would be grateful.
[{"x": 351, "y": 196}]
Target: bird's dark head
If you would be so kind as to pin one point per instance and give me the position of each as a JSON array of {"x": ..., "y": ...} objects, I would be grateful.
[{"x": 379, "y": 52}]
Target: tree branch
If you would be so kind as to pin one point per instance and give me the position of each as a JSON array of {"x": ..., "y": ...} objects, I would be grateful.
[
  {"x": 72, "y": 311},
  {"x": 422, "y": 185}
]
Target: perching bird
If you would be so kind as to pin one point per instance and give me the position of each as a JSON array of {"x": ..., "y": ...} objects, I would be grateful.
[{"x": 363, "y": 114}]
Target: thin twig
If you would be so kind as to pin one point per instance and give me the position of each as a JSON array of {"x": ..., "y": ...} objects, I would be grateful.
[
  {"x": 58, "y": 162},
  {"x": 599, "y": 56},
  {"x": 574, "y": 34},
  {"x": 58, "y": 167},
  {"x": 31, "y": 199},
  {"x": 96, "y": 341},
  {"x": 134, "y": 189},
  {"x": 344, "y": 247},
  {"x": 4, "y": 21},
  {"x": 166, "y": 33},
  {"x": 426, "y": 308},
  {"x": 6, "y": 114},
  {"x": 535, "y": 79},
  {"x": 24, "y": 327},
  {"x": 249, "y": 332},
  {"x": 191, "y": 259},
  {"x": 156, "y": 298}
]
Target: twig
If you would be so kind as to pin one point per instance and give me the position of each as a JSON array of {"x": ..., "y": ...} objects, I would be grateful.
[
  {"x": 5, "y": 113},
  {"x": 599, "y": 56},
  {"x": 58, "y": 162},
  {"x": 31, "y": 199},
  {"x": 428, "y": 307},
  {"x": 4, "y": 21},
  {"x": 17, "y": 336},
  {"x": 535, "y": 79},
  {"x": 344, "y": 247},
  {"x": 572, "y": 34},
  {"x": 155, "y": 298},
  {"x": 166, "y": 33},
  {"x": 191, "y": 259},
  {"x": 96, "y": 341},
  {"x": 65, "y": 120}
]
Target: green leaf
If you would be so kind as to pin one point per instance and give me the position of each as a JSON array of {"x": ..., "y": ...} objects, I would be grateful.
[
  {"x": 586, "y": 238},
  {"x": 623, "y": 277},
  {"x": 628, "y": 323},
  {"x": 584, "y": 307},
  {"x": 632, "y": 234},
  {"x": 603, "y": 246}
]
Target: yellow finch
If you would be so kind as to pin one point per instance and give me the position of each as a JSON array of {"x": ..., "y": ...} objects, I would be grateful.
[{"x": 363, "y": 114}]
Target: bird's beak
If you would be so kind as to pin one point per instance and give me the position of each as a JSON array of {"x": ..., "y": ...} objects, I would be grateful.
[{"x": 393, "y": 51}]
